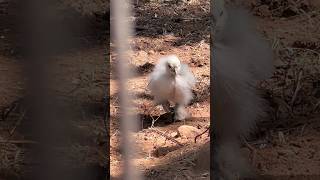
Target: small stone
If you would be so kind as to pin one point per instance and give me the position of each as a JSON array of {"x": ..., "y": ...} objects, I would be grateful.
[
  {"x": 282, "y": 138},
  {"x": 285, "y": 153},
  {"x": 281, "y": 153},
  {"x": 188, "y": 131},
  {"x": 295, "y": 145},
  {"x": 151, "y": 52},
  {"x": 174, "y": 134}
]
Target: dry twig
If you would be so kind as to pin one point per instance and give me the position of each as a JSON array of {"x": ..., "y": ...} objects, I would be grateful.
[
  {"x": 18, "y": 123},
  {"x": 166, "y": 136},
  {"x": 298, "y": 87},
  {"x": 199, "y": 135}
]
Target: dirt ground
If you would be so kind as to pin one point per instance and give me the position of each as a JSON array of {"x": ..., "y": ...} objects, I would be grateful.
[
  {"x": 80, "y": 79},
  {"x": 164, "y": 29},
  {"x": 286, "y": 144}
]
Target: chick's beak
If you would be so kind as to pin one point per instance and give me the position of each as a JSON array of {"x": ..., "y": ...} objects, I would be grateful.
[{"x": 175, "y": 71}]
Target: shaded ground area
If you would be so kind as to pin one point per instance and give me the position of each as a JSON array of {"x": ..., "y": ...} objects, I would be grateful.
[
  {"x": 287, "y": 144},
  {"x": 82, "y": 89},
  {"x": 79, "y": 77}
]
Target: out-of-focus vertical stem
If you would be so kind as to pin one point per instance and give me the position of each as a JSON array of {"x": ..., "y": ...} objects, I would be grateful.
[{"x": 121, "y": 33}]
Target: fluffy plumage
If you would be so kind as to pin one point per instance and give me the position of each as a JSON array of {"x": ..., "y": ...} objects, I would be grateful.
[{"x": 172, "y": 81}]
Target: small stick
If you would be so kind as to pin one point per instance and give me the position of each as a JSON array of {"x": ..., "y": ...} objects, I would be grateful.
[
  {"x": 17, "y": 123},
  {"x": 166, "y": 136},
  {"x": 10, "y": 108},
  {"x": 195, "y": 139},
  {"x": 316, "y": 106},
  {"x": 153, "y": 120},
  {"x": 298, "y": 87}
]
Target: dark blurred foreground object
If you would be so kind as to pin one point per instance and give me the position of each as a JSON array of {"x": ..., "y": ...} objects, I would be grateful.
[
  {"x": 84, "y": 22},
  {"x": 240, "y": 58},
  {"x": 44, "y": 35},
  {"x": 83, "y": 172}
]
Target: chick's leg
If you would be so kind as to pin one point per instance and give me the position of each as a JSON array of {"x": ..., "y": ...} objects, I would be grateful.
[
  {"x": 180, "y": 112},
  {"x": 166, "y": 106}
]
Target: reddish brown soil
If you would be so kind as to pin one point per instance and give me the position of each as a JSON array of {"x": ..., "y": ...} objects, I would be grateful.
[
  {"x": 284, "y": 145},
  {"x": 162, "y": 30},
  {"x": 289, "y": 144}
]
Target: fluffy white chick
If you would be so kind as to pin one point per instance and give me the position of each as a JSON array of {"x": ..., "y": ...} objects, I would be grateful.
[{"x": 172, "y": 81}]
